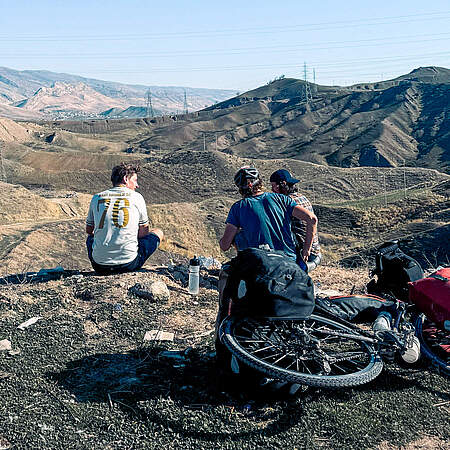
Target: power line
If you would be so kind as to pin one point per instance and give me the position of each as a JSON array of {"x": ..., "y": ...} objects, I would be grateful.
[
  {"x": 354, "y": 63},
  {"x": 207, "y": 33},
  {"x": 238, "y": 51}
]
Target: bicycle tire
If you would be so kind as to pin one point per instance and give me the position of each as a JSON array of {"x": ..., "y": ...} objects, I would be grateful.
[
  {"x": 430, "y": 343},
  {"x": 359, "y": 362}
]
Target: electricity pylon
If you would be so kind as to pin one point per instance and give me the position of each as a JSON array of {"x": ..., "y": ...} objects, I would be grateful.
[
  {"x": 306, "y": 93},
  {"x": 185, "y": 105},
  {"x": 2, "y": 166},
  {"x": 149, "y": 104}
]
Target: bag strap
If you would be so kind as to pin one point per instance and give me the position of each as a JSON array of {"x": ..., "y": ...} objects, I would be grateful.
[{"x": 439, "y": 277}]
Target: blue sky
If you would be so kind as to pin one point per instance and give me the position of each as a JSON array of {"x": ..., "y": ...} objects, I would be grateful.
[{"x": 231, "y": 44}]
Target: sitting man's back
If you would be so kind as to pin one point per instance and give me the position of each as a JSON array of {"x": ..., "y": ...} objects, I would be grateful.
[{"x": 117, "y": 224}]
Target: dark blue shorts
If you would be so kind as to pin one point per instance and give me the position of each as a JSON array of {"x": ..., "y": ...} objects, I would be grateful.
[{"x": 146, "y": 247}]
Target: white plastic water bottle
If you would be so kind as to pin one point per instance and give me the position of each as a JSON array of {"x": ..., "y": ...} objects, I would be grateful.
[
  {"x": 194, "y": 276},
  {"x": 412, "y": 354},
  {"x": 382, "y": 322}
]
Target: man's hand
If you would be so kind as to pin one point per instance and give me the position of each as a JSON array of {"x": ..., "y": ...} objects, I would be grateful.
[
  {"x": 305, "y": 254},
  {"x": 143, "y": 230},
  {"x": 90, "y": 230}
]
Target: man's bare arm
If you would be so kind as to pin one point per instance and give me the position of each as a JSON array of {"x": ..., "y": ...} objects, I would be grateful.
[
  {"x": 310, "y": 219},
  {"x": 228, "y": 237}
]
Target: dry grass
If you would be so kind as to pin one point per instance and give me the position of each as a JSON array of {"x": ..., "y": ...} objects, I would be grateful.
[{"x": 331, "y": 276}]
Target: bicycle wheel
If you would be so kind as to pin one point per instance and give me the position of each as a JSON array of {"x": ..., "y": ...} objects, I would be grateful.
[
  {"x": 434, "y": 343},
  {"x": 316, "y": 352}
]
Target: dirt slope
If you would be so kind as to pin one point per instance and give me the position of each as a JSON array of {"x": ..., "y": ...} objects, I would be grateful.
[{"x": 11, "y": 131}]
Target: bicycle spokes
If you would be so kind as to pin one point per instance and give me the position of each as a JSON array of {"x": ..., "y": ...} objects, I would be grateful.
[{"x": 305, "y": 346}]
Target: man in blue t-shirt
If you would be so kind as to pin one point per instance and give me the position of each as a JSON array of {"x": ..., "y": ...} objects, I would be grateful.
[{"x": 263, "y": 219}]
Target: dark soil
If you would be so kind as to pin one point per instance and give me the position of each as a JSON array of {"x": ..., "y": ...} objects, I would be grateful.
[{"x": 84, "y": 378}]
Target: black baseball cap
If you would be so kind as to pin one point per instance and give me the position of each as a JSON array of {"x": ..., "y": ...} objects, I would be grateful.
[{"x": 283, "y": 175}]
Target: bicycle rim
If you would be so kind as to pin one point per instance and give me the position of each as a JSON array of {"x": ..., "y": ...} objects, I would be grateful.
[
  {"x": 434, "y": 343},
  {"x": 316, "y": 352}
]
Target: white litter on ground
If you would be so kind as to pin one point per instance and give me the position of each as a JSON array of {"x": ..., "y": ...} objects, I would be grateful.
[{"x": 158, "y": 335}]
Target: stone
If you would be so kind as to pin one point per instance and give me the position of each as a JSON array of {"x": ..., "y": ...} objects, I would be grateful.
[
  {"x": 5, "y": 345},
  {"x": 180, "y": 276},
  {"x": 156, "y": 291},
  {"x": 159, "y": 291},
  {"x": 4, "y": 443}
]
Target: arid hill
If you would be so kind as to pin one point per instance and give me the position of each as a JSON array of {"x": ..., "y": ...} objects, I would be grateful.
[
  {"x": 388, "y": 124},
  {"x": 397, "y": 122},
  {"x": 41, "y": 91},
  {"x": 62, "y": 96}
]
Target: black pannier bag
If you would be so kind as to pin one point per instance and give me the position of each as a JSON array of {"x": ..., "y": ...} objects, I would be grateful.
[
  {"x": 267, "y": 283},
  {"x": 356, "y": 307},
  {"x": 394, "y": 270}
]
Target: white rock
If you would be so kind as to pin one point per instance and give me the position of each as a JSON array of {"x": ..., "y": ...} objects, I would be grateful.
[
  {"x": 29, "y": 322},
  {"x": 159, "y": 291},
  {"x": 156, "y": 291},
  {"x": 5, "y": 345}
]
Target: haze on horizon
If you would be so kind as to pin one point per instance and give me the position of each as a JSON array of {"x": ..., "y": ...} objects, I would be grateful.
[{"x": 240, "y": 45}]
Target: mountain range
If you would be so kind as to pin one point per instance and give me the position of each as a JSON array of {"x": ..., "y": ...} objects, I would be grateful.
[
  {"x": 38, "y": 94},
  {"x": 392, "y": 123},
  {"x": 400, "y": 122}
]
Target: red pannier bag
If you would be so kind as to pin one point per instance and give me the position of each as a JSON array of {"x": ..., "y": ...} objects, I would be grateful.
[{"x": 431, "y": 295}]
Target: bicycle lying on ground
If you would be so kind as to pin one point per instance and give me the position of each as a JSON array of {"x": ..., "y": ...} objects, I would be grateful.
[
  {"x": 321, "y": 351},
  {"x": 400, "y": 276}
]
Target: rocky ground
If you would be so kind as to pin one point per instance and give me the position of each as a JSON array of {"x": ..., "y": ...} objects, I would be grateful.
[{"x": 82, "y": 376}]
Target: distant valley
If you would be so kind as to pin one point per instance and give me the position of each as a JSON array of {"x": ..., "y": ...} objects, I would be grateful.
[{"x": 35, "y": 94}]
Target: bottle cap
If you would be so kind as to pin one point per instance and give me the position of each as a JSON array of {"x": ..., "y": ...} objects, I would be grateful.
[{"x": 194, "y": 261}]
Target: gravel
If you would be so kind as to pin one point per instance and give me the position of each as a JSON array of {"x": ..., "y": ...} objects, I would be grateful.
[{"x": 85, "y": 379}]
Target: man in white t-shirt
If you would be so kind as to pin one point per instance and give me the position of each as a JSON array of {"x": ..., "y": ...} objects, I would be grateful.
[{"x": 119, "y": 238}]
